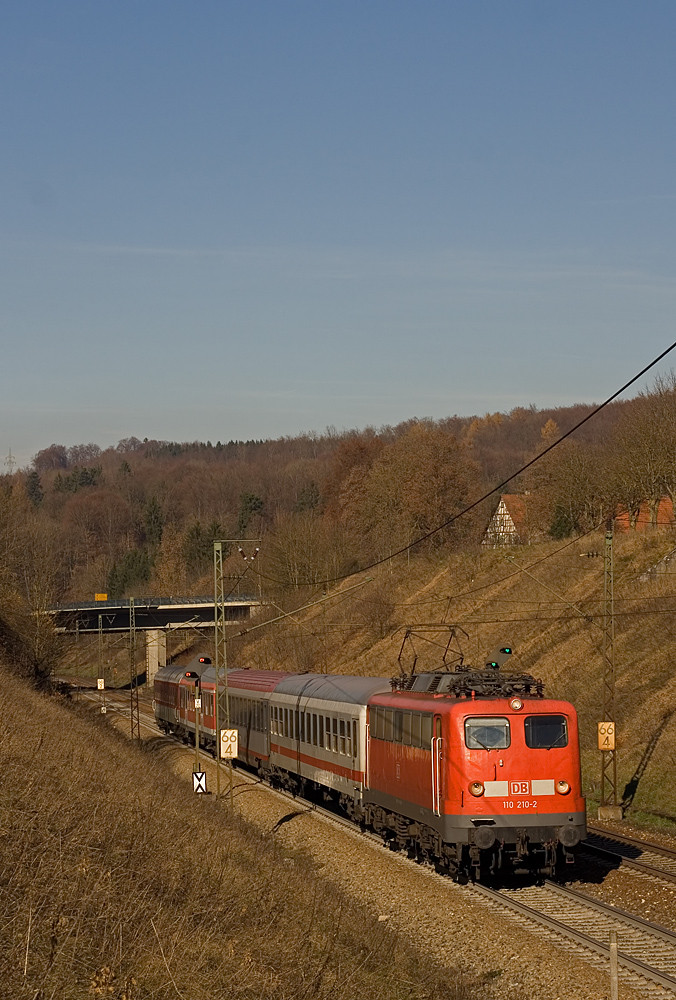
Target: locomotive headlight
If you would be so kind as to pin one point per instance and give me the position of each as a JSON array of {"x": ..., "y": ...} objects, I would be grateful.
[
  {"x": 562, "y": 787},
  {"x": 476, "y": 788},
  {"x": 516, "y": 704}
]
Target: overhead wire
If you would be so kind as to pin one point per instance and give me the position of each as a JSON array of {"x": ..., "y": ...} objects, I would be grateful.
[
  {"x": 500, "y": 486},
  {"x": 516, "y": 572}
]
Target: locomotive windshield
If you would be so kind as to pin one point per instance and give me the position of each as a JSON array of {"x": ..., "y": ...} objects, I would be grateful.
[
  {"x": 486, "y": 733},
  {"x": 543, "y": 732}
]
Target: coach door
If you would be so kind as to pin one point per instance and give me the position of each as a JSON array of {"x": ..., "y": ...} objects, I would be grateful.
[{"x": 436, "y": 766}]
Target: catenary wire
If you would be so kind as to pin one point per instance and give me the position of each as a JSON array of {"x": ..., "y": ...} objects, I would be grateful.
[{"x": 500, "y": 486}]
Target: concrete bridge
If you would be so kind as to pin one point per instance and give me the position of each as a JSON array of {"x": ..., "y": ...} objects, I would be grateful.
[{"x": 153, "y": 615}]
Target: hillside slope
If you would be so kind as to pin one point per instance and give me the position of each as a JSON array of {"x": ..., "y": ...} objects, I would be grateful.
[{"x": 116, "y": 881}]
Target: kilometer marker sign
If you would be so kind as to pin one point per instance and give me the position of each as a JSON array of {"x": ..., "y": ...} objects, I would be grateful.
[
  {"x": 228, "y": 743},
  {"x": 606, "y": 735}
]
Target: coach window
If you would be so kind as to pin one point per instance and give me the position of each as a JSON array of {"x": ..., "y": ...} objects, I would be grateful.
[
  {"x": 406, "y": 729},
  {"x": 314, "y": 730},
  {"x": 544, "y": 732},
  {"x": 342, "y": 744},
  {"x": 335, "y": 735},
  {"x": 327, "y": 733},
  {"x": 354, "y": 737},
  {"x": 486, "y": 733},
  {"x": 321, "y": 731}
]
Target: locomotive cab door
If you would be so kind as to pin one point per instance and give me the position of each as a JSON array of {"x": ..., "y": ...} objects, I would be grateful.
[{"x": 437, "y": 769}]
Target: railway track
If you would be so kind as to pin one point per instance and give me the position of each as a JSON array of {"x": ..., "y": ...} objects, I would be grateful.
[
  {"x": 650, "y": 859},
  {"x": 646, "y": 952},
  {"x": 568, "y": 918}
]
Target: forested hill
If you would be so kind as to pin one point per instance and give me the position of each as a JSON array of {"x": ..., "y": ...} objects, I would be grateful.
[{"x": 140, "y": 518}]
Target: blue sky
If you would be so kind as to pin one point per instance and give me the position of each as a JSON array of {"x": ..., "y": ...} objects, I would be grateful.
[{"x": 251, "y": 219}]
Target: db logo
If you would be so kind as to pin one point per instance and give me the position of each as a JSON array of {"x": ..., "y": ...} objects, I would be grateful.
[{"x": 519, "y": 787}]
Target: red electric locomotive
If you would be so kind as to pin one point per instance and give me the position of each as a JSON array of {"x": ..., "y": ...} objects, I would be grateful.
[
  {"x": 472, "y": 770},
  {"x": 476, "y": 771}
]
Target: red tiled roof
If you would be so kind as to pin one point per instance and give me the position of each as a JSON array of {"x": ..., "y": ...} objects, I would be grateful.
[{"x": 665, "y": 516}]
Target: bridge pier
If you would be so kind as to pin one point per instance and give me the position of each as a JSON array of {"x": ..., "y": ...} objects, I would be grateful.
[{"x": 156, "y": 653}]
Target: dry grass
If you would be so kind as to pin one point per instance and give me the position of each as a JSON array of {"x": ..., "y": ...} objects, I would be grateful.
[{"x": 116, "y": 882}]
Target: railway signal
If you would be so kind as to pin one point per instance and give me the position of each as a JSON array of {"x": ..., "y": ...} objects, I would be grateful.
[
  {"x": 191, "y": 675},
  {"x": 221, "y": 549}
]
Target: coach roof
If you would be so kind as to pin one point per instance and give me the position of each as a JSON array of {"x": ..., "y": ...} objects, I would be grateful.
[{"x": 332, "y": 687}]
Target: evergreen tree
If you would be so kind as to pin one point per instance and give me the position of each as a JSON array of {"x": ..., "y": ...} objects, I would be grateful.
[
  {"x": 34, "y": 490},
  {"x": 133, "y": 568},
  {"x": 154, "y": 522},
  {"x": 250, "y": 504}
]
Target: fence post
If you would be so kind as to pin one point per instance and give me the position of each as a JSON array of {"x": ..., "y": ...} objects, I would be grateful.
[{"x": 613, "y": 965}]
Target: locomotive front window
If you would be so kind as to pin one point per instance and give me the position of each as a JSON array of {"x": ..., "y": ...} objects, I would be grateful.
[
  {"x": 543, "y": 732},
  {"x": 487, "y": 733}
]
